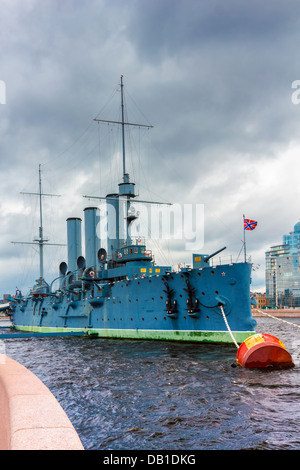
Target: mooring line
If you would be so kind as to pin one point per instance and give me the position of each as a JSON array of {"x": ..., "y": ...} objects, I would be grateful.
[
  {"x": 279, "y": 319},
  {"x": 228, "y": 328}
]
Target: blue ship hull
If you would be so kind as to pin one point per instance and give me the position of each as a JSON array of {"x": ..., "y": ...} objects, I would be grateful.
[{"x": 138, "y": 308}]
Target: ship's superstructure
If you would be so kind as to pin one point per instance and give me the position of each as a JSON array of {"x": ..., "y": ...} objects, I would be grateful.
[{"x": 119, "y": 291}]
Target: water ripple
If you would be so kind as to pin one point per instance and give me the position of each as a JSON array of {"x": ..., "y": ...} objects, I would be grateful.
[{"x": 122, "y": 394}]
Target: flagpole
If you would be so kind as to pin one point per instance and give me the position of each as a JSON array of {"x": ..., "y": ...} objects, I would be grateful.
[
  {"x": 244, "y": 237},
  {"x": 248, "y": 225}
]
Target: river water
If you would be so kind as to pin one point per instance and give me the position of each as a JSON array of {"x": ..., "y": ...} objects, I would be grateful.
[{"x": 126, "y": 395}]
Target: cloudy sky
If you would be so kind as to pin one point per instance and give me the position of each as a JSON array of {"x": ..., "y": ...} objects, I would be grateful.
[{"x": 214, "y": 79}]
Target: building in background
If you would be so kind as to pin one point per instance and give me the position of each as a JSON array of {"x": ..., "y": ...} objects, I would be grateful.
[
  {"x": 283, "y": 271},
  {"x": 5, "y": 299},
  {"x": 261, "y": 300}
]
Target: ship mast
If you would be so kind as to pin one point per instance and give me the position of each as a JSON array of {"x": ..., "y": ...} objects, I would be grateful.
[
  {"x": 40, "y": 240},
  {"x": 123, "y": 124},
  {"x": 123, "y": 128}
]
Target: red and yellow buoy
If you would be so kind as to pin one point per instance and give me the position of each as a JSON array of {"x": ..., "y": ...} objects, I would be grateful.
[{"x": 263, "y": 350}]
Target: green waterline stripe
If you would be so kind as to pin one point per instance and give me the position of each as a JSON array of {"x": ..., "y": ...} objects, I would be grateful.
[{"x": 172, "y": 335}]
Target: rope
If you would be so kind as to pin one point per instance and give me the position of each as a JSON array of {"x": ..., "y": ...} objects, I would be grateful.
[
  {"x": 279, "y": 319},
  {"x": 226, "y": 323},
  {"x": 264, "y": 313}
]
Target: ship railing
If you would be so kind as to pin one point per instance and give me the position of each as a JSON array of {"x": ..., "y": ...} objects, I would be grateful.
[
  {"x": 133, "y": 241},
  {"x": 230, "y": 259}
]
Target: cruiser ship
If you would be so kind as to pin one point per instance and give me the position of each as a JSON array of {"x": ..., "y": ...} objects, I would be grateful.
[{"x": 120, "y": 292}]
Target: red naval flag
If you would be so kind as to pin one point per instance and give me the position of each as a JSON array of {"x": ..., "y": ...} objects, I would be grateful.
[{"x": 249, "y": 224}]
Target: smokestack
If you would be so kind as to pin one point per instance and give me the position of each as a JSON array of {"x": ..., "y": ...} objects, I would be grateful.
[
  {"x": 74, "y": 241},
  {"x": 113, "y": 209},
  {"x": 92, "y": 241}
]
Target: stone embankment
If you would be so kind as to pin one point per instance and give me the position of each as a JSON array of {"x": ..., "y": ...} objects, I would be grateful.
[
  {"x": 31, "y": 418},
  {"x": 282, "y": 313}
]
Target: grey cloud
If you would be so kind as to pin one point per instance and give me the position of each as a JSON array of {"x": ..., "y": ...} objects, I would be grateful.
[{"x": 213, "y": 77}]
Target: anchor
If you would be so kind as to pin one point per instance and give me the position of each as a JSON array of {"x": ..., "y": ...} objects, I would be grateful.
[
  {"x": 171, "y": 305},
  {"x": 192, "y": 302}
]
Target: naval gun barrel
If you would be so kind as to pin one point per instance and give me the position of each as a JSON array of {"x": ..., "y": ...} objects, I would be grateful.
[{"x": 214, "y": 254}]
